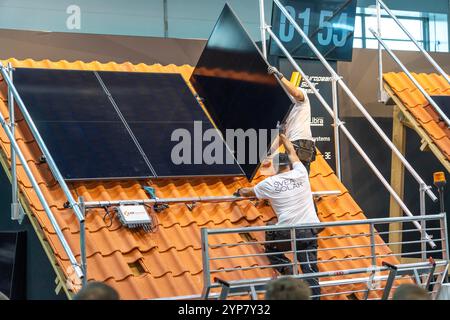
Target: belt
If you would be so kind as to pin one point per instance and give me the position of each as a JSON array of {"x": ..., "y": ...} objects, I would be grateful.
[{"x": 309, "y": 144}]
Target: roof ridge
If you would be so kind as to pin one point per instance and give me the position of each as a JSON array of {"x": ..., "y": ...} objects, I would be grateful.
[{"x": 15, "y": 62}]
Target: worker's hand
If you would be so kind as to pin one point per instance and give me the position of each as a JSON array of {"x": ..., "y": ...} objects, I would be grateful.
[
  {"x": 281, "y": 128},
  {"x": 266, "y": 163},
  {"x": 273, "y": 70}
]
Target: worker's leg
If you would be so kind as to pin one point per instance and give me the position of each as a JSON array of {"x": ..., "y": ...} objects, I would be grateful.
[
  {"x": 278, "y": 247},
  {"x": 308, "y": 260}
]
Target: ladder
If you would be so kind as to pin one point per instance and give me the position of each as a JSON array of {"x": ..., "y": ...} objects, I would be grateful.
[{"x": 422, "y": 272}]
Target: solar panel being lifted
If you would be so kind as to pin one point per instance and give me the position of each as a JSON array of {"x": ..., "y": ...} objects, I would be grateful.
[
  {"x": 116, "y": 125},
  {"x": 231, "y": 77}
]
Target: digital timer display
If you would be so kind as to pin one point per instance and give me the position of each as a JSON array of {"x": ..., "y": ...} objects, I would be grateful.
[{"x": 329, "y": 24}]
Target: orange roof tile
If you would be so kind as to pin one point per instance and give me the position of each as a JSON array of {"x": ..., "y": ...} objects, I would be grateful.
[
  {"x": 171, "y": 256},
  {"x": 416, "y": 104}
]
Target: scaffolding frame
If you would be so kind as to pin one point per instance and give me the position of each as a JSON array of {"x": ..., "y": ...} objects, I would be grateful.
[
  {"x": 333, "y": 111},
  {"x": 397, "y": 169},
  {"x": 212, "y": 278}
]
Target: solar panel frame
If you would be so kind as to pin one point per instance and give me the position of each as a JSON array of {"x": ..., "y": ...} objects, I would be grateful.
[
  {"x": 225, "y": 84},
  {"x": 186, "y": 110},
  {"x": 50, "y": 124}
]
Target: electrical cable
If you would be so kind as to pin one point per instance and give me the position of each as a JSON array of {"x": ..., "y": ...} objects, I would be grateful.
[{"x": 111, "y": 217}]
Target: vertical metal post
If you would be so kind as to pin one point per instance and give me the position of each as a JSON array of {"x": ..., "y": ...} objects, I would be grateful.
[
  {"x": 13, "y": 152},
  {"x": 166, "y": 19},
  {"x": 205, "y": 259},
  {"x": 380, "y": 55},
  {"x": 444, "y": 237},
  {"x": 262, "y": 22},
  {"x": 83, "y": 241},
  {"x": 374, "y": 261},
  {"x": 16, "y": 209},
  {"x": 444, "y": 243},
  {"x": 294, "y": 250},
  {"x": 336, "y": 123},
  {"x": 423, "y": 224}
]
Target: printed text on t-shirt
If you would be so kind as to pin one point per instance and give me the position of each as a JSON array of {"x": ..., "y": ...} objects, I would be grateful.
[{"x": 287, "y": 185}]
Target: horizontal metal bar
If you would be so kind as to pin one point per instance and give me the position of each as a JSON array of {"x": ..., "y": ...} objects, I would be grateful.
[
  {"x": 109, "y": 203},
  {"x": 326, "y": 224},
  {"x": 407, "y": 242},
  {"x": 406, "y": 231},
  {"x": 264, "y": 254},
  {"x": 264, "y": 266},
  {"x": 215, "y": 246}
]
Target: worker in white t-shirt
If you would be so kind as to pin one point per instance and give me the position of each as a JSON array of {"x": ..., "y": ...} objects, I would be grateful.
[
  {"x": 290, "y": 196},
  {"x": 298, "y": 123}
]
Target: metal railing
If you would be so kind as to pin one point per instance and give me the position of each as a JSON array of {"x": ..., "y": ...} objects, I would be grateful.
[
  {"x": 245, "y": 267},
  {"x": 338, "y": 124},
  {"x": 382, "y": 44},
  {"x": 14, "y": 97}
]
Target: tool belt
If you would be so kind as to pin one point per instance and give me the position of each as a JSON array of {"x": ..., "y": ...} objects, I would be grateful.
[{"x": 306, "y": 150}]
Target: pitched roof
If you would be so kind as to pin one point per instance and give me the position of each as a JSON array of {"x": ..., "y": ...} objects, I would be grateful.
[
  {"x": 426, "y": 120},
  {"x": 168, "y": 262}
]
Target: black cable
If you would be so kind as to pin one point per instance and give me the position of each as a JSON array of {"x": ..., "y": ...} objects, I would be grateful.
[
  {"x": 108, "y": 213},
  {"x": 155, "y": 222}
]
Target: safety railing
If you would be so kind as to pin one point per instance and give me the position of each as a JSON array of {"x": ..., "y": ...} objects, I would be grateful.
[
  {"x": 352, "y": 257},
  {"x": 339, "y": 126},
  {"x": 80, "y": 268},
  {"x": 381, "y": 44}
]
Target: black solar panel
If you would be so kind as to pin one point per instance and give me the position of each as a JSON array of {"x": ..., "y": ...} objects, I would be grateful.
[
  {"x": 155, "y": 105},
  {"x": 114, "y": 125},
  {"x": 231, "y": 76},
  {"x": 79, "y": 125},
  {"x": 156, "y": 97},
  {"x": 93, "y": 150}
]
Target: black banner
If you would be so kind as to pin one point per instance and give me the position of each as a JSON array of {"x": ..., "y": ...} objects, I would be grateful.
[{"x": 321, "y": 121}]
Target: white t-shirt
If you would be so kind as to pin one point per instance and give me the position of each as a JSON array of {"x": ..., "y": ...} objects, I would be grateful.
[
  {"x": 298, "y": 123},
  {"x": 290, "y": 195}
]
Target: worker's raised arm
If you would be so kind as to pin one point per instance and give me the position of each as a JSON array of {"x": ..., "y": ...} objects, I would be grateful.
[
  {"x": 290, "y": 150},
  {"x": 289, "y": 86}
]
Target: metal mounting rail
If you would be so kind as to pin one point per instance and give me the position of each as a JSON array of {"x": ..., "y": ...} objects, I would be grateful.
[
  {"x": 438, "y": 68},
  {"x": 423, "y": 187},
  {"x": 41, "y": 198},
  {"x": 101, "y": 204},
  {"x": 6, "y": 73}
]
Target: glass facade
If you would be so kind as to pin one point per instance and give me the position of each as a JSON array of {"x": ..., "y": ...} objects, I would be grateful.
[
  {"x": 427, "y": 21},
  {"x": 429, "y": 29}
]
